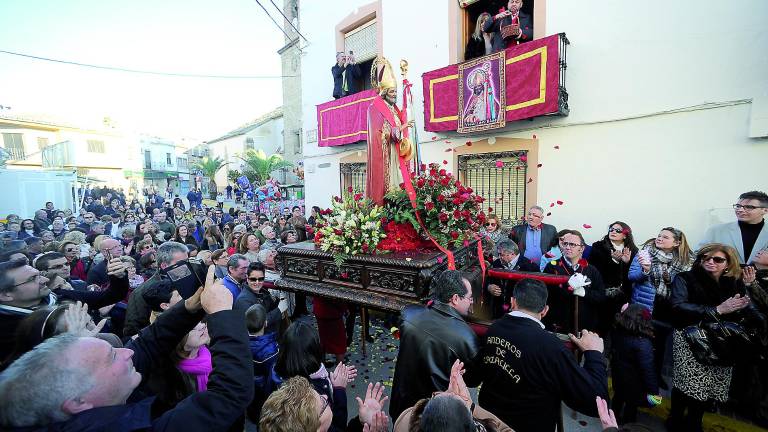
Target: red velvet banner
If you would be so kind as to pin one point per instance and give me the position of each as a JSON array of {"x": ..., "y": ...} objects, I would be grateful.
[
  {"x": 531, "y": 83},
  {"x": 344, "y": 121}
]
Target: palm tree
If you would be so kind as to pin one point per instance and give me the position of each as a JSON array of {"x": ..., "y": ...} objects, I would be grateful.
[
  {"x": 260, "y": 166},
  {"x": 209, "y": 167}
]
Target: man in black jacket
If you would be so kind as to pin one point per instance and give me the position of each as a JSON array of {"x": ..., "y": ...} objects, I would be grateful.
[
  {"x": 510, "y": 27},
  {"x": 431, "y": 339},
  {"x": 501, "y": 290},
  {"x": 23, "y": 290},
  {"x": 528, "y": 372},
  {"x": 345, "y": 73},
  {"x": 82, "y": 383}
]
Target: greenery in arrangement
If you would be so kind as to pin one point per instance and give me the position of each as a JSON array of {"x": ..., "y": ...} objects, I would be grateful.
[{"x": 352, "y": 226}]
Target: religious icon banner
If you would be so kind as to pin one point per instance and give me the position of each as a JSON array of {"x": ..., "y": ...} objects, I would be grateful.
[
  {"x": 344, "y": 121},
  {"x": 531, "y": 86},
  {"x": 481, "y": 94}
]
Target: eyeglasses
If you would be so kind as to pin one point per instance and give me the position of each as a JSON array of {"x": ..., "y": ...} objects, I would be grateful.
[
  {"x": 35, "y": 278},
  {"x": 746, "y": 207},
  {"x": 716, "y": 259},
  {"x": 256, "y": 279},
  {"x": 567, "y": 245},
  {"x": 616, "y": 230},
  {"x": 491, "y": 224}
]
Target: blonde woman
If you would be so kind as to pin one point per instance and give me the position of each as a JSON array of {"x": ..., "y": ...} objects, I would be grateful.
[{"x": 479, "y": 43}]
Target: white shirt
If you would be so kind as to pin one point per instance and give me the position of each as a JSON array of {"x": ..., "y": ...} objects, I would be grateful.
[{"x": 525, "y": 315}]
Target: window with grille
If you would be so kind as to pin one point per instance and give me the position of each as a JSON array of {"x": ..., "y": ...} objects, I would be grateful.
[
  {"x": 14, "y": 144},
  {"x": 95, "y": 146},
  {"x": 168, "y": 159},
  {"x": 42, "y": 142},
  {"x": 502, "y": 187},
  {"x": 362, "y": 41},
  {"x": 354, "y": 175},
  {"x": 249, "y": 144}
]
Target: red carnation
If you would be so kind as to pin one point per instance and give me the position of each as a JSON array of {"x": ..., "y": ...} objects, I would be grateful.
[
  {"x": 402, "y": 186},
  {"x": 440, "y": 198},
  {"x": 457, "y": 201},
  {"x": 337, "y": 231},
  {"x": 443, "y": 217},
  {"x": 454, "y": 235},
  {"x": 358, "y": 196},
  {"x": 429, "y": 206},
  {"x": 431, "y": 183},
  {"x": 420, "y": 182},
  {"x": 456, "y": 214},
  {"x": 433, "y": 172},
  {"x": 469, "y": 190},
  {"x": 445, "y": 181},
  {"x": 349, "y": 189},
  {"x": 364, "y": 247},
  {"x": 337, "y": 199},
  {"x": 383, "y": 221},
  {"x": 441, "y": 172}
]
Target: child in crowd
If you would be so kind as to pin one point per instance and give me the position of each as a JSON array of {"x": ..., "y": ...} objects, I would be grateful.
[
  {"x": 264, "y": 350},
  {"x": 632, "y": 367}
]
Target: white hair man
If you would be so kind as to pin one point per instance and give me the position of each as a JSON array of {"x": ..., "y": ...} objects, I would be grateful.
[{"x": 82, "y": 383}]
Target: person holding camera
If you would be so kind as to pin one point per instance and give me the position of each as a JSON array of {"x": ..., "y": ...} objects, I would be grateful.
[{"x": 346, "y": 73}]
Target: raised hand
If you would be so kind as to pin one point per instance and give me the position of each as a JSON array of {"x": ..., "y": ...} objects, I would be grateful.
[
  {"x": 379, "y": 423},
  {"x": 343, "y": 375},
  {"x": 373, "y": 403},
  {"x": 748, "y": 275},
  {"x": 607, "y": 418},
  {"x": 456, "y": 384},
  {"x": 79, "y": 322}
]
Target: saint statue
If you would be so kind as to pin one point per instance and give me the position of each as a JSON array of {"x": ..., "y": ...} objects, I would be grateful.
[{"x": 387, "y": 134}]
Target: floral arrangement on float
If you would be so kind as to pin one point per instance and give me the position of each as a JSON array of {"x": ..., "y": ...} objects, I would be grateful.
[
  {"x": 352, "y": 226},
  {"x": 449, "y": 213}
]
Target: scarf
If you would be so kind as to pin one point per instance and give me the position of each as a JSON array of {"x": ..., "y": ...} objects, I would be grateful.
[
  {"x": 664, "y": 267},
  {"x": 200, "y": 367}
]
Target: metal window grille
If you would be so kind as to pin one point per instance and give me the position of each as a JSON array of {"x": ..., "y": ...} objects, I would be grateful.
[
  {"x": 503, "y": 188},
  {"x": 95, "y": 146},
  {"x": 354, "y": 175},
  {"x": 14, "y": 144},
  {"x": 362, "y": 41}
]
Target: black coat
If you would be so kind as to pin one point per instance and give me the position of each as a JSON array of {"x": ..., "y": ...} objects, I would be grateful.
[
  {"x": 614, "y": 274},
  {"x": 475, "y": 48},
  {"x": 493, "y": 26},
  {"x": 527, "y": 372},
  {"x": 695, "y": 295},
  {"x": 353, "y": 74},
  {"x": 497, "y": 303},
  {"x": 248, "y": 298},
  {"x": 230, "y": 385},
  {"x": 431, "y": 339},
  {"x": 561, "y": 301},
  {"x": 632, "y": 367}
]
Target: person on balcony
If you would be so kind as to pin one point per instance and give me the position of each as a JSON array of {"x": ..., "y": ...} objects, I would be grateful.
[
  {"x": 345, "y": 73},
  {"x": 509, "y": 27},
  {"x": 479, "y": 43}
]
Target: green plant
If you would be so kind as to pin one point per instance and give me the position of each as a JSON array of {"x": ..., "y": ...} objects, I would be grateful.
[
  {"x": 209, "y": 167},
  {"x": 258, "y": 165},
  {"x": 350, "y": 227}
]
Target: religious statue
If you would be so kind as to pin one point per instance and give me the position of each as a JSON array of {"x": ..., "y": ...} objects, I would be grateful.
[{"x": 387, "y": 134}]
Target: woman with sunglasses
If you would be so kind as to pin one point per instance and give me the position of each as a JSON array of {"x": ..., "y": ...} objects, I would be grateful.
[
  {"x": 652, "y": 271},
  {"x": 611, "y": 256},
  {"x": 714, "y": 287},
  {"x": 493, "y": 231},
  {"x": 257, "y": 294}
]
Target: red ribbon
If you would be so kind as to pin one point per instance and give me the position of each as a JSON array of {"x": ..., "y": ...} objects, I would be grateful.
[{"x": 382, "y": 107}]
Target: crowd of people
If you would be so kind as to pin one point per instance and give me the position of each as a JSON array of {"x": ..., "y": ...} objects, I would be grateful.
[{"x": 99, "y": 330}]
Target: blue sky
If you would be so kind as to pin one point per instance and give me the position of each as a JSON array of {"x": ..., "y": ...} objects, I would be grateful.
[{"x": 223, "y": 37}]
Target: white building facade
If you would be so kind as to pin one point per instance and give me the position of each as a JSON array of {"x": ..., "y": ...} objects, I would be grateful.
[{"x": 667, "y": 122}]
